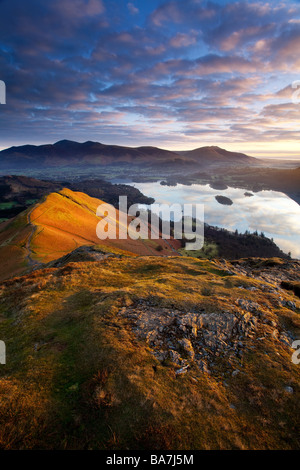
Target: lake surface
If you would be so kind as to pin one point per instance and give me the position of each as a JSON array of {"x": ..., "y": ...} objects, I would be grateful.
[{"x": 270, "y": 212}]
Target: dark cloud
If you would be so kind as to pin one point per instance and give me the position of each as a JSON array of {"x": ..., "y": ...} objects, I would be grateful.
[{"x": 135, "y": 72}]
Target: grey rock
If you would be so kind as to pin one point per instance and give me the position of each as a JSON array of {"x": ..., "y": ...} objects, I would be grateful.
[
  {"x": 187, "y": 346},
  {"x": 183, "y": 370}
]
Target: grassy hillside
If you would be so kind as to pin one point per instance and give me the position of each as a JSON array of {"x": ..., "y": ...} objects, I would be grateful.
[
  {"x": 56, "y": 226},
  {"x": 20, "y": 192},
  {"x": 150, "y": 353}
]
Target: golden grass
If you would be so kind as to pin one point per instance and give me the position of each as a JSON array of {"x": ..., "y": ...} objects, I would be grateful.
[
  {"x": 58, "y": 225},
  {"x": 78, "y": 377}
]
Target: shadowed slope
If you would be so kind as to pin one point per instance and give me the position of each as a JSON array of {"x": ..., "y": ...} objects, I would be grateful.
[
  {"x": 214, "y": 154},
  {"x": 67, "y": 152}
]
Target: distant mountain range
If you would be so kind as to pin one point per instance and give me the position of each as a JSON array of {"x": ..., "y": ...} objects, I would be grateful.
[{"x": 69, "y": 153}]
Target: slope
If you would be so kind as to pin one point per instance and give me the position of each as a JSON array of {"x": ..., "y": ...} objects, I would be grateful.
[
  {"x": 150, "y": 353},
  {"x": 214, "y": 155},
  {"x": 69, "y": 153},
  {"x": 62, "y": 222}
]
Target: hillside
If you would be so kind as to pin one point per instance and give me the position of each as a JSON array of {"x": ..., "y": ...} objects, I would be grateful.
[
  {"x": 108, "y": 349},
  {"x": 65, "y": 220},
  {"x": 150, "y": 353},
  {"x": 52, "y": 228},
  {"x": 69, "y": 153},
  {"x": 216, "y": 154},
  {"x": 17, "y": 193},
  {"x": 222, "y": 243}
]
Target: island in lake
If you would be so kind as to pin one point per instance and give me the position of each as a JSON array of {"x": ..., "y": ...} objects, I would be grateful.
[{"x": 226, "y": 201}]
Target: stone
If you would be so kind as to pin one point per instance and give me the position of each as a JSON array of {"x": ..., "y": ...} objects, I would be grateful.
[
  {"x": 187, "y": 347},
  {"x": 175, "y": 357},
  {"x": 183, "y": 370}
]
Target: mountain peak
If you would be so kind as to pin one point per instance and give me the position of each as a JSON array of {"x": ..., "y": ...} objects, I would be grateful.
[
  {"x": 92, "y": 154},
  {"x": 65, "y": 142}
]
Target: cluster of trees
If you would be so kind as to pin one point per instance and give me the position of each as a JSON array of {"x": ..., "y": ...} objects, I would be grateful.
[{"x": 232, "y": 245}]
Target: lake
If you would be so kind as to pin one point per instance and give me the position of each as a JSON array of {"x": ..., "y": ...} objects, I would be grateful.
[{"x": 270, "y": 212}]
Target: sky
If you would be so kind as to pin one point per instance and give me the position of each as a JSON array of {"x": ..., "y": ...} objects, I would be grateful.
[{"x": 176, "y": 74}]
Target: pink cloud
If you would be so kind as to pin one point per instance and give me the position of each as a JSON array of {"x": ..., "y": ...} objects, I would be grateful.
[
  {"x": 132, "y": 8},
  {"x": 183, "y": 40},
  {"x": 79, "y": 8}
]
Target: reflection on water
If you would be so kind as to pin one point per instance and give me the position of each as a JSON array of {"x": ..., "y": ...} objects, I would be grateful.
[{"x": 270, "y": 212}]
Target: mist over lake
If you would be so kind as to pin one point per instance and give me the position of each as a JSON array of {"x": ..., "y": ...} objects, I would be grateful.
[{"x": 270, "y": 212}]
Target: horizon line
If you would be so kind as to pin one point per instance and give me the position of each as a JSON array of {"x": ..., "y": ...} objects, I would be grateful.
[{"x": 267, "y": 154}]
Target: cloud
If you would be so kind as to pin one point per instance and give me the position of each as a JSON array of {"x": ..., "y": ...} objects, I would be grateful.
[
  {"x": 205, "y": 71},
  {"x": 132, "y": 9},
  {"x": 76, "y": 9},
  {"x": 183, "y": 40}
]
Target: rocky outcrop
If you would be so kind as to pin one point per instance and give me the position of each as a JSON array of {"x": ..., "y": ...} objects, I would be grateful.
[{"x": 202, "y": 338}]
